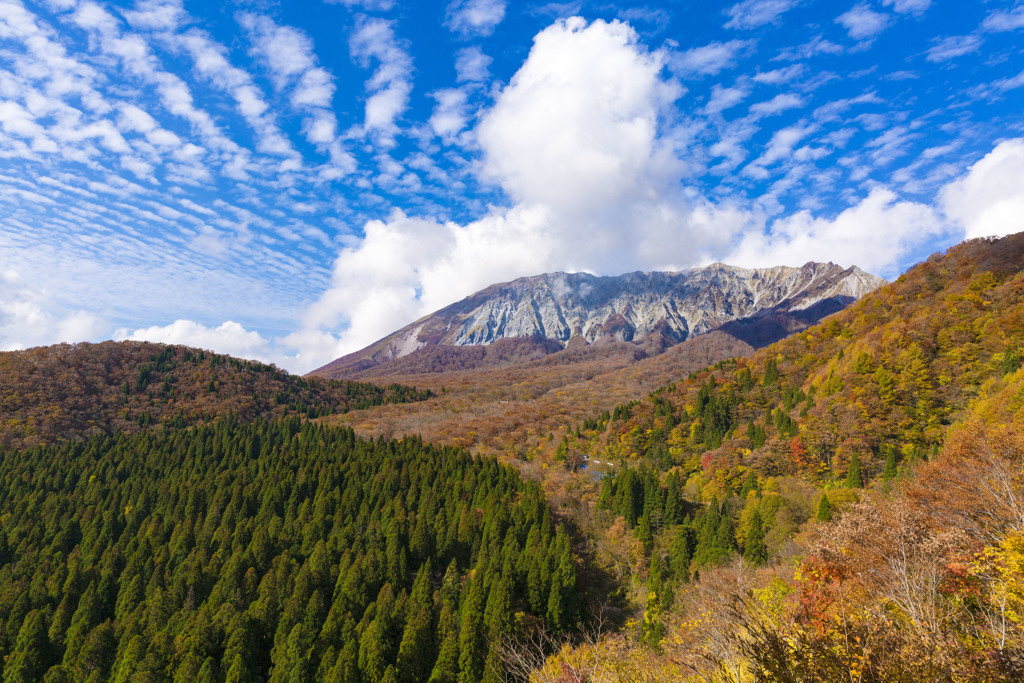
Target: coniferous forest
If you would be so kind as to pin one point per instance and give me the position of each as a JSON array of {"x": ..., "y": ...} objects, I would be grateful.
[{"x": 280, "y": 551}]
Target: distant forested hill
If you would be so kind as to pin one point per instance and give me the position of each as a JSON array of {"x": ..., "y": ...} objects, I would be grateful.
[
  {"x": 280, "y": 551},
  {"x": 73, "y": 391}
]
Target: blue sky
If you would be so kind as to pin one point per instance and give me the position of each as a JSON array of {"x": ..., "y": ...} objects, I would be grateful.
[{"x": 291, "y": 181}]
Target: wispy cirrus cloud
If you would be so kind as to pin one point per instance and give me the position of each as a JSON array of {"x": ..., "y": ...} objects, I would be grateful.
[
  {"x": 1004, "y": 20},
  {"x": 710, "y": 59},
  {"x": 754, "y": 13},
  {"x": 952, "y": 47},
  {"x": 908, "y": 6}
]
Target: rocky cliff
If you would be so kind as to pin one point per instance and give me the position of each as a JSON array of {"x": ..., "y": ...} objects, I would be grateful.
[{"x": 657, "y": 309}]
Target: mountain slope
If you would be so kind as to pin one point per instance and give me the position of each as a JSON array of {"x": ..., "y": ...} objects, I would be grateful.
[
  {"x": 878, "y": 381},
  {"x": 74, "y": 391},
  {"x": 656, "y": 310}
]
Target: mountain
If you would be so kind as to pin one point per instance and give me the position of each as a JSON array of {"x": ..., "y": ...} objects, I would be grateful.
[
  {"x": 880, "y": 380},
  {"x": 653, "y": 311},
  {"x": 73, "y": 391}
]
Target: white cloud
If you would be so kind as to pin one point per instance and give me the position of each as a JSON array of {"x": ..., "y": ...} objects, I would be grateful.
[
  {"x": 27, "y": 318},
  {"x": 230, "y": 338},
  {"x": 449, "y": 117},
  {"x": 777, "y": 104},
  {"x": 1003, "y": 20},
  {"x": 157, "y": 15},
  {"x": 781, "y": 146},
  {"x": 580, "y": 119},
  {"x": 862, "y": 22},
  {"x": 779, "y": 76},
  {"x": 287, "y": 51},
  {"x": 952, "y": 47},
  {"x": 474, "y": 17},
  {"x": 874, "y": 235},
  {"x": 293, "y": 63},
  {"x": 817, "y": 46},
  {"x": 710, "y": 59},
  {"x": 725, "y": 98},
  {"x": 391, "y": 82},
  {"x": 989, "y": 199},
  {"x": 908, "y": 6},
  {"x": 754, "y": 13},
  {"x": 471, "y": 65},
  {"x": 373, "y": 5}
]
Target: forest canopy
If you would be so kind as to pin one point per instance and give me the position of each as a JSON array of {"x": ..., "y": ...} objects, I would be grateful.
[{"x": 281, "y": 551}]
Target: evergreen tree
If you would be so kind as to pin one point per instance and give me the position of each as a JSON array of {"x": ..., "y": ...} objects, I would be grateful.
[
  {"x": 680, "y": 553},
  {"x": 889, "y": 473},
  {"x": 854, "y": 478},
  {"x": 755, "y": 551},
  {"x": 31, "y": 656},
  {"x": 824, "y": 509}
]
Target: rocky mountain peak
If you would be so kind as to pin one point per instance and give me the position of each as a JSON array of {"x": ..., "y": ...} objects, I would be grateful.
[{"x": 635, "y": 307}]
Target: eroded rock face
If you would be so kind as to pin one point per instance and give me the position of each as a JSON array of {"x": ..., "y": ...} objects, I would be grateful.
[{"x": 673, "y": 306}]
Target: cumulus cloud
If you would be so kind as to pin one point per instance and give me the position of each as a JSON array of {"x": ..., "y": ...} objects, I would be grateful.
[
  {"x": 475, "y": 17},
  {"x": 27, "y": 316},
  {"x": 230, "y": 338},
  {"x": 449, "y": 117},
  {"x": 577, "y": 141},
  {"x": 874, "y": 235},
  {"x": 989, "y": 199},
  {"x": 471, "y": 65},
  {"x": 863, "y": 23}
]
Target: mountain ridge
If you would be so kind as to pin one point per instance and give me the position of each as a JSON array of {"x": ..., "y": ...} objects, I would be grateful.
[{"x": 653, "y": 309}]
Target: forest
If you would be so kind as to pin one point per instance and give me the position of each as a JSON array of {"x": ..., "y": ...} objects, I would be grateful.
[{"x": 279, "y": 551}]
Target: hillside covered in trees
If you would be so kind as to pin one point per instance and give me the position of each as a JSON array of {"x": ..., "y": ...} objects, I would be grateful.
[
  {"x": 280, "y": 551},
  {"x": 843, "y": 505},
  {"x": 852, "y": 398},
  {"x": 73, "y": 391}
]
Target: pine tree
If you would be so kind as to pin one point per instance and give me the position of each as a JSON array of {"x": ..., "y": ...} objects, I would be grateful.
[
  {"x": 755, "y": 551},
  {"x": 31, "y": 655},
  {"x": 854, "y": 478},
  {"x": 725, "y": 539},
  {"x": 889, "y": 473},
  {"x": 824, "y": 509},
  {"x": 680, "y": 553}
]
